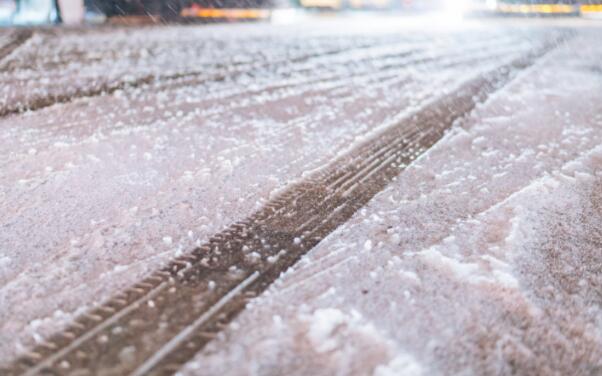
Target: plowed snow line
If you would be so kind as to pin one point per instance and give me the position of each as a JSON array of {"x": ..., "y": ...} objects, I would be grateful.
[
  {"x": 17, "y": 39},
  {"x": 161, "y": 322}
]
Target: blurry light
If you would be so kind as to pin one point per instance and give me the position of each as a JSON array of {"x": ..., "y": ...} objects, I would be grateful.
[
  {"x": 491, "y": 4},
  {"x": 225, "y": 13},
  {"x": 286, "y": 16},
  {"x": 591, "y": 8},
  {"x": 456, "y": 8}
]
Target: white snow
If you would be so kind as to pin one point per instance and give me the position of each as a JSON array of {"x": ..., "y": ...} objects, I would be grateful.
[
  {"x": 401, "y": 365},
  {"x": 482, "y": 256},
  {"x": 208, "y": 154},
  {"x": 322, "y": 325}
]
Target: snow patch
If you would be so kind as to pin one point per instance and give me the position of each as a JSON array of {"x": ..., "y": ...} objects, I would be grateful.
[
  {"x": 323, "y": 324},
  {"x": 402, "y": 365}
]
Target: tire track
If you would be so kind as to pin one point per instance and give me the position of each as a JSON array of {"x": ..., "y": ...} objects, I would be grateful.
[
  {"x": 161, "y": 322},
  {"x": 411, "y": 56},
  {"x": 161, "y": 82},
  {"x": 390, "y": 71},
  {"x": 18, "y": 38}
]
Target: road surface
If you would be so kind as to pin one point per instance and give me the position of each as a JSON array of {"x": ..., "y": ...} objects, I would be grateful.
[{"x": 154, "y": 181}]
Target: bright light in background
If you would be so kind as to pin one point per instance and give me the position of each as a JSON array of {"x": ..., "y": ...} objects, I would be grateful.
[
  {"x": 7, "y": 8},
  {"x": 456, "y": 9},
  {"x": 491, "y": 4},
  {"x": 287, "y": 16}
]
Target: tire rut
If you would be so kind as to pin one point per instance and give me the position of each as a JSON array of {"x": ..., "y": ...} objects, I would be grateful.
[
  {"x": 161, "y": 82},
  {"x": 19, "y": 37}
]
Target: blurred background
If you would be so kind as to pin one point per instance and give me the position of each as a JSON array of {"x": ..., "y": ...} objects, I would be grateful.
[{"x": 73, "y": 12}]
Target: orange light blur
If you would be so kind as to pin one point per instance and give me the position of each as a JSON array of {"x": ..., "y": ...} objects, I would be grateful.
[
  {"x": 591, "y": 8},
  {"x": 225, "y": 13}
]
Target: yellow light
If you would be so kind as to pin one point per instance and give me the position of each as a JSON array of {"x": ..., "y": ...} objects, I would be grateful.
[
  {"x": 225, "y": 13},
  {"x": 536, "y": 8},
  {"x": 591, "y": 8}
]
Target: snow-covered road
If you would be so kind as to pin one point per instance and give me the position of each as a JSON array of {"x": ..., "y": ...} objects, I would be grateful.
[
  {"x": 483, "y": 258},
  {"x": 141, "y": 144}
]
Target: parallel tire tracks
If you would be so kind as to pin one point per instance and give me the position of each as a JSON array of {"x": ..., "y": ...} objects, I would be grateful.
[
  {"x": 176, "y": 80},
  {"x": 162, "y": 321},
  {"x": 160, "y": 81}
]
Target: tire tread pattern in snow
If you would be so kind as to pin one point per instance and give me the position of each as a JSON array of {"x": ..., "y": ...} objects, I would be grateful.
[{"x": 158, "y": 324}]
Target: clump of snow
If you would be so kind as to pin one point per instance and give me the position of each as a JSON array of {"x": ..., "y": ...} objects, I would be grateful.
[
  {"x": 167, "y": 240},
  {"x": 401, "y": 365},
  {"x": 323, "y": 323},
  {"x": 462, "y": 270},
  {"x": 368, "y": 245}
]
